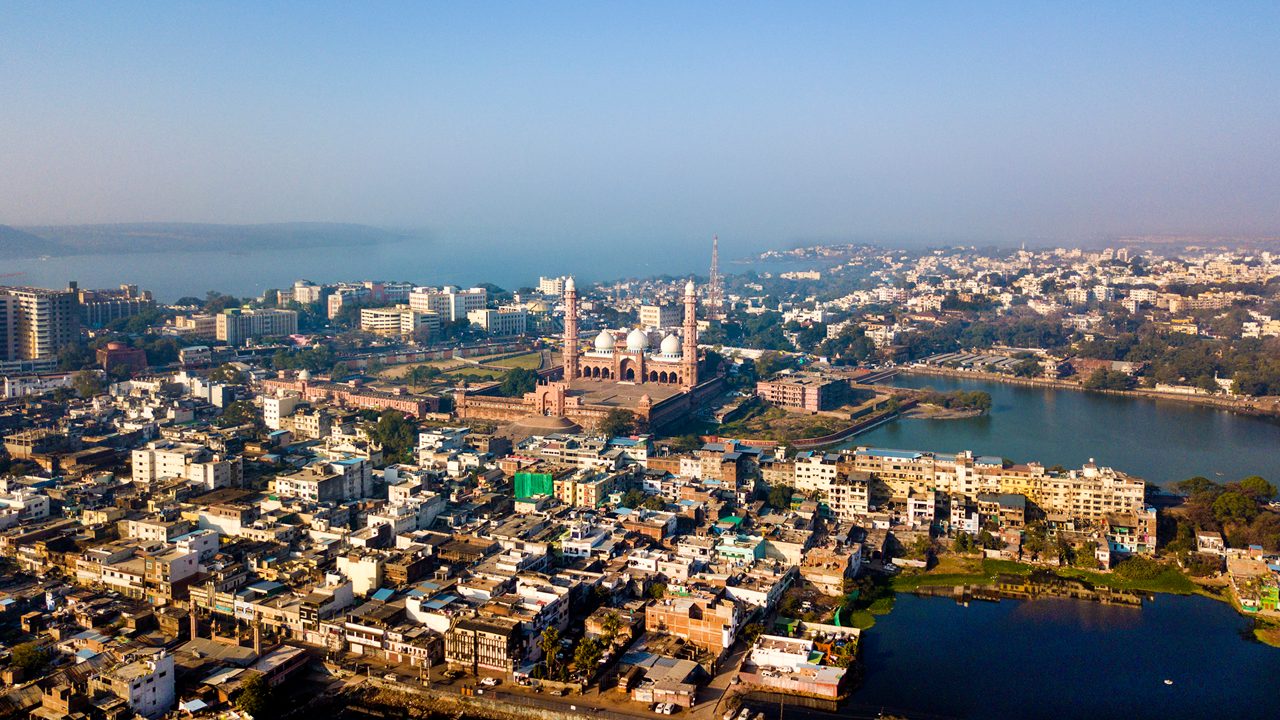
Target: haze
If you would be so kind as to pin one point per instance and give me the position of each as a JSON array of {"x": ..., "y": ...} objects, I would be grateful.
[{"x": 586, "y": 122}]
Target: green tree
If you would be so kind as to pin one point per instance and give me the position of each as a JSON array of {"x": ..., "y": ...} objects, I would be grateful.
[
  {"x": 397, "y": 436},
  {"x": 1028, "y": 368},
  {"x": 517, "y": 382},
  {"x": 255, "y": 696},
  {"x": 780, "y": 497},
  {"x": 549, "y": 644},
  {"x": 238, "y": 412},
  {"x": 657, "y": 590},
  {"x": 31, "y": 657},
  {"x": 610, "y": 625},
  {"x": 1258, "y": 487},
  {"x": 227, "y": 373},
  {"x": 86, "y": 383},
  {"x": 1196, "y": 485},
  {"x": 586, "y": 655},
  {"x": 617, "y": 421},
  {"x": 1235, "y": 506}
]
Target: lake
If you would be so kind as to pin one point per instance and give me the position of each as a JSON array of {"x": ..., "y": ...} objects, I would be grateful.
[
  {"x": 426, "y": 259},
  {"x": 1161, "y": 441},
  {"x": 1055, "y": 658}
]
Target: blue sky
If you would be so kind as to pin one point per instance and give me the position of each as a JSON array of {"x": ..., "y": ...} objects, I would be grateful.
[{"x": 769, "y": 123}]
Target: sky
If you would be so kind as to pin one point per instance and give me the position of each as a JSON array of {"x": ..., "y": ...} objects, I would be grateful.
[{"x": 575, "y": 123}]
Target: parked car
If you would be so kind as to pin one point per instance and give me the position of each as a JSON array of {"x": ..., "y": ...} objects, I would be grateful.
[{"x": 490, "y": 682}]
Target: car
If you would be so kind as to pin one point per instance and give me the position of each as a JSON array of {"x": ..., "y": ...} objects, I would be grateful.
[
  {"x": 390, "y": 677},
  {"x": 490, "y": 682}
]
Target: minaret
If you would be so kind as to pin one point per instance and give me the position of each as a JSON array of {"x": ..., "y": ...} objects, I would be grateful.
[
  {"x": 689, "y": 354},
  {"x": 570, "y": 330}
]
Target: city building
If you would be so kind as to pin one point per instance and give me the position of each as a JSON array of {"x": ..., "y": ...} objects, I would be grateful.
[
  {"x": 398, "y": 321},
  {"x": 235, "y": 325},
  {"x": 660, "y": 317},
  {"x": 503, "y": 321},
  {"x": 36, "y": 323}
]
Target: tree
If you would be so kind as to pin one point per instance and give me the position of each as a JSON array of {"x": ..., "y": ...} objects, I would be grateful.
[
  {"x": 255, "y": 696},
  {"x": 1028, "y": 368},
  {"x": 611, "y": 624},
  {"x": 86, "y": 383},
  {"x": 239, "y": 412},
  {"x": 1195, "y": 486},
  {"x": 1109, "y": 380},
  {"x": 587, "y": 655},
  {"x": 397, "y": 436},
  {"x": 517, "y": 382},
  {"x": 780, "y": 497},
  {"x": 339, "y": 371},
  {"x": 227, "y": 373},
  {"x": 1258, "y": 487},
  {"x": 549, "y": 644},
  {"x": 963, "y": 542},
  {"x": 657, "y": 590},
  {"x": 29, "y": 656},
  {"x": 618, "y": 421},
  {"x": 1235, "y": 506}
]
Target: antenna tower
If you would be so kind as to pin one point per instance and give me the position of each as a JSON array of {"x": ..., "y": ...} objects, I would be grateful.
[{"x": 715, "y": 293}]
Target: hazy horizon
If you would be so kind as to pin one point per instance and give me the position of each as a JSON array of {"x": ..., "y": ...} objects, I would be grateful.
[{"x": 653, "y": 126}]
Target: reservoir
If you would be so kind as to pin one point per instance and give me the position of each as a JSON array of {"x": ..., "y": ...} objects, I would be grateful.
[
  {"x": 1161, "y": 441},
  {"x": 1051, "y": 658}
]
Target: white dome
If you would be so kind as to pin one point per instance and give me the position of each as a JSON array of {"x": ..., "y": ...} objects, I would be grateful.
[
  {"x": 604, "y": 341},
  {"x": 637, "y": 340},
  {"x": 690, "y": 288},
  {"x": 304, "y": 374},
  {"x": 671, "y": 345},
  {"x": 569, "y": 285}
]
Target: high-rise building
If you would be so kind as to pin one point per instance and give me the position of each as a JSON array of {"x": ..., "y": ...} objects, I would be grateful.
[
  {"x": 36, "y": 322},
  {"x": 236, "y": 325},
  {"x": 659, "y": 316},
  {"x": 551, "y": 286},
  {"x": 450, "y": 303},
  {"x": 99, "y": 307},
  {"x": 400, "y": 320},
  {"x": 504, "y": 321}
]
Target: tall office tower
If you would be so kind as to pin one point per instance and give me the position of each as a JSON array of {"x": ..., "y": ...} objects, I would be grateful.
[{"x": 37, "y": 322}]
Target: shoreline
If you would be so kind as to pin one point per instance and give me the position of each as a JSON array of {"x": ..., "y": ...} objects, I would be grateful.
[
  {"x": 1260, "y": 408},
  {"x": 1266, "y": 630}
]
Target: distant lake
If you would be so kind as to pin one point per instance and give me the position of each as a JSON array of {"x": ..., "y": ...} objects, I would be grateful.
[
  {"x": 1161, "y": 441},
  {"x": 508, "y": 262}
]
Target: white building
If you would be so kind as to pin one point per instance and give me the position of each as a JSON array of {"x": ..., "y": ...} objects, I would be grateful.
[{"x": 504, "y": 321}]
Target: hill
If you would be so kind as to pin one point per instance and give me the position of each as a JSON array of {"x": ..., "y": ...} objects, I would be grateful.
[
  {"x": 184, "y": 237},
  {"x": 15, "y": 243}
]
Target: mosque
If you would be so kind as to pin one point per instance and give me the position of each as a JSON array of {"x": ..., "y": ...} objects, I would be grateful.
[{"x": 656, "y": 378}]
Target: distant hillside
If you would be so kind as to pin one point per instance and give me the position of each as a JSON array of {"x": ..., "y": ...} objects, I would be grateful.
[
  {"x": 15, "y": 243},
  {"x": 183, "y": 237}
]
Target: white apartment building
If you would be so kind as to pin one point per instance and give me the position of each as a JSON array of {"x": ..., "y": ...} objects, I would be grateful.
[
  {"x": 449, "y": 303},
  {"x": 398, "y": 321},
  {"x": 236, "y": 325},
  {"x": 551, "y": 286},
  {"x": 145, "y": 680},
  {"x": 504, "y": 321},
  {"x": 195, "y": 463},
  {"x": 660, "y": 316},
  {"x": 276, "y": 408}
]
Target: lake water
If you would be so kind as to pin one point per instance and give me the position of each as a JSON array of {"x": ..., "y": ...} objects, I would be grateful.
[
  {"x": 1066, "y": 659},
  {"x": 427, "y": 260},
  {"x": 1159, "y": 440}
]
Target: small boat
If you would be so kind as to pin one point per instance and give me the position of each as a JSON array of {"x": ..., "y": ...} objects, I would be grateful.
[{"x": 1168, "y": 681}]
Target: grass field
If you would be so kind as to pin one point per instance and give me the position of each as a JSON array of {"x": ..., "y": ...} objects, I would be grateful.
[
  {"x": 962, "y": 571},
  {"x": 527, "y": 361}
]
